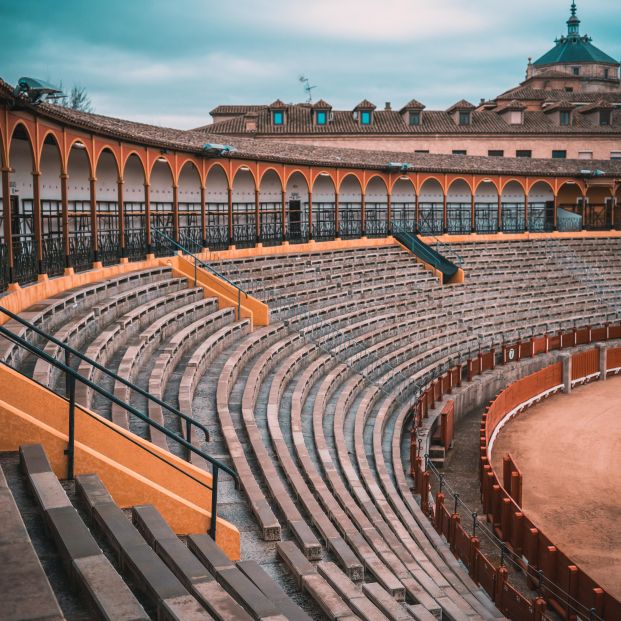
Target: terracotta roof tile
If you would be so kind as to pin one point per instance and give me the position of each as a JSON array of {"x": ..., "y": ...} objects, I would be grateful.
[
  {"x": 462, "y": 104},
  {"x": 365, "y": 104},
  {"x": 413, "y": 104}
]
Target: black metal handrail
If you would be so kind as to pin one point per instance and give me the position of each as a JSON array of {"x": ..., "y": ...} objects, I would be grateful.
[
  {"x": 189, "y": 420},
  {"x": 198, "y": 262},
  {"x": 72, "y": 376}
]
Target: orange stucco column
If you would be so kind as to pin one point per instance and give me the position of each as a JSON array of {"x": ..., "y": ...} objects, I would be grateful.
[
  {"x": 64, "y": 199},
  {"x": 94, "y": 227},
  {"x": 389, "y": 214},
  {"x": 230, "y": 216},
  {"x": 257, "y": 215},
  {"x": 36, "y": 214},
  {"x": 6, "y": 218},
  {"x": 337, "y": 215},
  {"x": 526, "y": 212},
  {"x": 147, "y": 216},
  {"x": 120, "y": 197},
  {"x": 499, "y": 224},
  {"x": 310, "y": 215},
  {"x": 363, "y": 214},
  {"x": 284, "y": 215},
  {"x": 175, "y": 197},
  {"x": 203, "y": 218},
  {"x": 444, "y": 214}
]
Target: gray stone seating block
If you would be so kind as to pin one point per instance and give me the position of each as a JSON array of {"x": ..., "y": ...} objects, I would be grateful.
[
  {"x": 350, "y": 593},
  {"x": 265, "y": 583},
  {"x": 232, "y": 579},
  {"x": 327, "y": 598},
  {"x": 98, "y": 581},
  {"x": 136, "y": 557},
  {"x": 25, "y": 591},
  {"x": 185, "y": 565},
  {"x": 43, "y": 482},
  {"x": 295, "y": 561},
  {"x": 390, "y": 608}
]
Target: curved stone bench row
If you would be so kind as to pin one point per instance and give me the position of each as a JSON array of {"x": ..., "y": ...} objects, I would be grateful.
[
  {"x": 126, "y": 327},
  {"x": 171, "y": 354},
  {"x": 148, "y": 341},
  {"x": 51, "y": 312},
  {"x": 260, "y": 507},
  {"x": 85, "y": 327}
]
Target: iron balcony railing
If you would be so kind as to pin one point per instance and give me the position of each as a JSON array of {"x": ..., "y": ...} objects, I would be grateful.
[{"x": 72, "y": 376}]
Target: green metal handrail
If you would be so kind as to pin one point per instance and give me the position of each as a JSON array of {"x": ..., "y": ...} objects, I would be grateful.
[
  {"x": 206, "y": 266},
  {"x": 189, "y": 420},
  {"x": 72, "y": 376}
]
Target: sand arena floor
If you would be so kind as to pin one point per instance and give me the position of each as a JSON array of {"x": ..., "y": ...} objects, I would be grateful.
[{"x": 569, "y": 451}]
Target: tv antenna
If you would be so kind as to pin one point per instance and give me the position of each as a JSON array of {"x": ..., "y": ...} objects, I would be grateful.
[{"x": 308, "y": 89}]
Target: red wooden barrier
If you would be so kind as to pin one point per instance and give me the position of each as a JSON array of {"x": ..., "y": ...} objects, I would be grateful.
[{"x": 447, "y": 424}]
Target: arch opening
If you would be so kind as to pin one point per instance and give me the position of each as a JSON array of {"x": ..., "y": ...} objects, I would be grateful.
[
  {"x": 190, "y": 208},
  {"x": 53, "y": 259},
  {"x": 376, "y": 208},
  {"x": 297, "y": 209},
  {"x": 18, "y": 245},
  {"x": 80, "y": 218},
  {"x": 245, "y": 218},
  {"x": 598, "y": 208},
  {"x": 486, "y": 205},
  {"x": 513, "y": 205},
  {"x": 540, "y": 207},
  {"x": 270, "y": 209},
  {"x": 134, "y": 209},
  {"x": 163, "y": 214},
  {"x": 350, "y": 223},
  {"x": 217, "y": 232},
  {"x": 108, "y": 215},
  {"x": 403, "y": 206},
  {"x": 459, "y": 208},
  {"x": 431, "y": 208},
  {"x": 323, "y": 213}
]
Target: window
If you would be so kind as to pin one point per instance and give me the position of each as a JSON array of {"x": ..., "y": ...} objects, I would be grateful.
[
  {"x": 559, "y": 154},
  {"x": 421, "y": 151},
  {"x": 365, "y": 117},
  {"x": 464, "y": 117},
  {"x": 575, "y": 70},
  {"x": 585, "y": 155},
  {"x": 615, "y": 155},
  {"x": 321, "y": 117},
  {"x": 523, "y": 153},
  {"x": 496, "y": 153},
  {"x": 460, "y": 152},
  {"x": 565, "y": 117},
  {"x": 604, "y": 117},
  {"x": 414, "y": 117},
  {"x": 606, "y": 74},
  {"x": 569, "y": 89},
  {"x": 278, "y": 117}
]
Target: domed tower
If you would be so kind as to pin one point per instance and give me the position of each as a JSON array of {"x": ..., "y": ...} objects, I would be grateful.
[{"x": 574, "y": 64}]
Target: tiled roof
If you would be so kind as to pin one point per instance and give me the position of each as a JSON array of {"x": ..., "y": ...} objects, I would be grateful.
[
  {"x": 391, "y": 122},
  {"x": 365, "y": 104},
  {"x": 236, "y": 109},
  {"x": 541, "y": 94},
  {"x": 462, "y": 104},
  {"x": 279, "y": 104},
  {"x": 514, "y": 104},
  {"x": 322, "y": 105},
  {"x": 598, "y": 105},
  {"x": 283, "y": 152},
  {"x": 413, "y": 104},
  {"x": 574, "y": 50},
  {"x": 558, "y": 105}
]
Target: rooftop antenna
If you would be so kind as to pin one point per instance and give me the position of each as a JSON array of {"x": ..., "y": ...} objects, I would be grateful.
[{"x": 308, "y": 89}]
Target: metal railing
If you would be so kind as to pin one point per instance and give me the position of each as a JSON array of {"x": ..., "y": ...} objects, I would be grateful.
[
  {"x": 72, "y": 376},
  {"x": 507, "y": 557},
  {"x": 198, "y": 263}
]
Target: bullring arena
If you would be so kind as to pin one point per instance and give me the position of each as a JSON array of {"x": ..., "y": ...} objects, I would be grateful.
[{"x": 248, "y": 378}]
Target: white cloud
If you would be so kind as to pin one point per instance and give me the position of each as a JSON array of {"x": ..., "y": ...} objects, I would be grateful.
[{"x": 366, "y": 20}]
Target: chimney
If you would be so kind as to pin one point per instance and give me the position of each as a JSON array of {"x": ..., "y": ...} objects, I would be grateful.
[{"x": 387, "y": 106}]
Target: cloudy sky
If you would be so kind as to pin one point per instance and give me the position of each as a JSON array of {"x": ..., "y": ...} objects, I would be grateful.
[{"x": 171, "y": 61}]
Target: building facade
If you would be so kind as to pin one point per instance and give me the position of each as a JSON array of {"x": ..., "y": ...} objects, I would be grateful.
[{"x": 569, "y": 106}]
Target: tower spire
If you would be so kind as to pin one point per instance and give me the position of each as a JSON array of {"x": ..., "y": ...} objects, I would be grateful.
[{"x": 573, "y": 23}]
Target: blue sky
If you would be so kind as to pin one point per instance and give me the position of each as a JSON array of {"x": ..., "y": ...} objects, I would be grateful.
[{"x": 169, "y": 62}]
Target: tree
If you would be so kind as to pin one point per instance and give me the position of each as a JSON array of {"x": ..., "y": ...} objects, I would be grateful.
[{"x": 78, "y": 99}]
